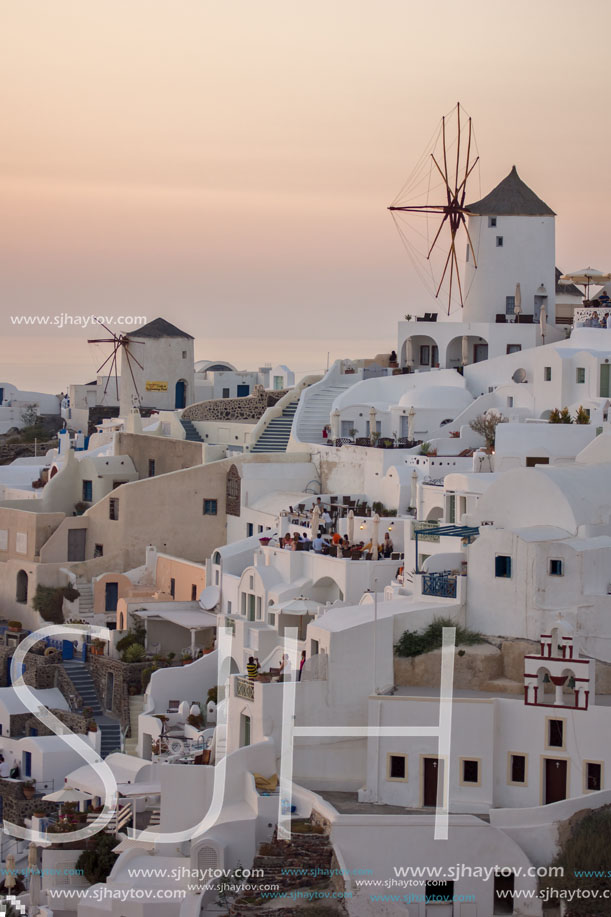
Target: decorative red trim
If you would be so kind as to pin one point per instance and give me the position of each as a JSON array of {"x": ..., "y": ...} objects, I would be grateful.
[{"x": 559, "y": 659}]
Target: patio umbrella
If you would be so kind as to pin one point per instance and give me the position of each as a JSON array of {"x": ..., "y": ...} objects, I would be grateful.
[
  {"x": 411, "y": 417},
  {"x": 517, "y": 307},
  {"x": 35, "y": 877},
  {"x": 68, "y": 794},
  {"x": 542, "y": 322},
  {"x": 372, "y": 421},
  {"x": 375, "y": 536},
  {"x": 335, "y": 423},
  {"x": 300, "y": 605},
  {"x": 587, "y": 277},
  {"x": 351, "y": 526},
  {"x": 10, "y": 879}
]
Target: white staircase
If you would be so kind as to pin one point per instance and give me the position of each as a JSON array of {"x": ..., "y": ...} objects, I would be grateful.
[
  {"x": 136, "y": 706},
  {"x": 314, "y": 409},
  {"x": 85, "y": 602}
]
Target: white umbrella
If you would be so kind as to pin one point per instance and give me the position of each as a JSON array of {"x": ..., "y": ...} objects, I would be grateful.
[
  {"x": 372, "y": 421},
  {"x": 464, "y": 350},
  {"x": 315, "y": 521},
  {"x": 335, "y": 423},
  {"x": 375, "y": 537},
  {"x": 351, "y": 526},
  {"x": 517, "y": 308},
  {"x": 68, "y": 794},
  {"x": 542, "y": 321},
  {"x": 587, "y": 277},
  {"x": 300, "y": 605},
  {"x": 411, "y": 417},
  {"x": 409, "y": 354},
  {"x": 10, "y": 879}
]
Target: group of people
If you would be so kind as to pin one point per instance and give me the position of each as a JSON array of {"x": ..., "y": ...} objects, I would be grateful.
[
  {"x": 323, "y": 543},
  {"x": 597, "y": 321},
  {"x": 285, "y": 669}
]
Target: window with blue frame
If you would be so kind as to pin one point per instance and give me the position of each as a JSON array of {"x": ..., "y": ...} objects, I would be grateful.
[
  {"x": 250, "y": 529},
  {"x": 210, "y": 507},
  {"x": 87, "y": 491},
  {"x": 502, "y": 566},
  {"x": 27, "y": 764}
]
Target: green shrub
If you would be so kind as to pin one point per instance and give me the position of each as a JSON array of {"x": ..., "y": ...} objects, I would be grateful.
[
  {"x": 586, "y": 848},
  {"x": 48, "y": 601},
  {"x": 414, "y": 643},
  {"x": 134, "y": 653},
  {"x": 212, "y": 695},
  {"x": 98, "y": 862}
]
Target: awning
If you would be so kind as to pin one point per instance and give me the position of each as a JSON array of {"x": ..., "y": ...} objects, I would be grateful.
[{"x": 210, "y": 597}]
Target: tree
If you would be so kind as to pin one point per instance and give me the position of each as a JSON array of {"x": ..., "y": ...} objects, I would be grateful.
[
  {"x": 98, "y": 862},
  {"x": 584, "y": 857},
  {"x": 563, "y": 416},
  {"x": 29, "y": 415},
  {"x": 486, "y": 425},
  {"x": 582, "y": 416}
]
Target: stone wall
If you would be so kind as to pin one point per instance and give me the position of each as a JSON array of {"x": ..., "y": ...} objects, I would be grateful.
[
  {"x": 125, "y": 675},
  {"x": 15, "y": 807},
  {"x": 21, "y": 723},
  {"x": 251, "y": 407},
  {"x": 10, "y": 451}
]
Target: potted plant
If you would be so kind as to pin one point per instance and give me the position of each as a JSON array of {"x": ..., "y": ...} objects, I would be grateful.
[
  {"x": 14, "y": 626},
  {"x": 187, "y": 658},
  {"x": 29, "y": 788},
  {"x": 97, "y": 646},
  {"x": 92, "y": 726},
  {"x": 353, "y": 431},
  {"x": 264, "y": 540},
  {"x": 39, "y": 813}
]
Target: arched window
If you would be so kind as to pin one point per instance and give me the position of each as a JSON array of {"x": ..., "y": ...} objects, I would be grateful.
[{"x": 22, "y": 587}]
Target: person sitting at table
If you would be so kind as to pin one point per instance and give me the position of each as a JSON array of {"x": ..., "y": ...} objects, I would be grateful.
[
  {"x": 603, "y": 297},
  {"x": 319, "y": 542},
  {"x": 595, "y": 322},
  {"x": 288, "y": 543},
  {"x": 295, "y": 542},
  {"x": 387, "y": 547},
  {"x": 336, "y": 539}
]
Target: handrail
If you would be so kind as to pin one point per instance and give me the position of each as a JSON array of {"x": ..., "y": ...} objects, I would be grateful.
[{"x": 294, "y": 394}]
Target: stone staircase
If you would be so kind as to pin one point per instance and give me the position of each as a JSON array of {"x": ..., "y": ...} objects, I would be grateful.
[
  {"x": 136, "y": 705},
  {"x": 192, "y": 435},
  {"x": 310, "y": 854},
  {"x": 110, "y": 728},
  {"x": 276, "y": 435}
]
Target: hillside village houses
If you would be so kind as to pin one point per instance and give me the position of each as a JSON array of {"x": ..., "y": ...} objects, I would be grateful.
[{"x": 169, "y": 524}]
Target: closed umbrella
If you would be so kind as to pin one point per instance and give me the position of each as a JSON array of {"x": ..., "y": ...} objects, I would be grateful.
[
  {"x": 517, "y": 307},
  {"x": 315, "y": 522},
  {"x": 375, "y": 536},
  {"x": 35, "y": 878},
  {"x": 335, "y": 423},
  {"x": 10, "y": 879},
  {"x": 464, "y": 350},
  {"x": 372, "y": 421},
  {"x": 542, "y": 322},
  {"x": 411, "y": 416},
  {"x": 351, "y": 526}
]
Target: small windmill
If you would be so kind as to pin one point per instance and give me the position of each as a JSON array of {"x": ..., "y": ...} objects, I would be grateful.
[
  {"x": 454, "y": 167},
  {"x": 120, "y": 343}
]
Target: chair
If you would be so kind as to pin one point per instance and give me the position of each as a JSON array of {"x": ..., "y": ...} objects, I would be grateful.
[
  {"x": 356, "y": 554},
  {"x": 369, "y": 555},
  {"x": 501, "y": 318},
  {"x": 346, "y": 500},
  {"x": 173, "y": 706},
  {"x": 332, "y": 499},
  {"x": 395, "y": 555},
  {"x": 332, "y": 550}
]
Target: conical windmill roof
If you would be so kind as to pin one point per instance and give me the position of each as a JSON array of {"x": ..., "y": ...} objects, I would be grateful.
[
  {"x": 159, "y": 328},
  {"x": 511, "y": 197}
]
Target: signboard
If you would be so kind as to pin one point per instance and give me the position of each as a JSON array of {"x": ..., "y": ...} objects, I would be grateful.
[{"x": 156, "y": 386}]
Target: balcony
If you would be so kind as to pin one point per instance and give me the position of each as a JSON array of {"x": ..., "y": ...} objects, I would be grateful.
[
  {"x": 439, "y": 584},
  {"x": 244, "y": 688}
]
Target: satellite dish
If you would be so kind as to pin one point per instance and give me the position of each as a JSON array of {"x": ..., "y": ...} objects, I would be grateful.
[{"x": 519, "y": 375}]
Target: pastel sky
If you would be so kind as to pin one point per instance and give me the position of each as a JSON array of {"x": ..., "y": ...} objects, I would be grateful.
[{"x": 228, "y": 164}]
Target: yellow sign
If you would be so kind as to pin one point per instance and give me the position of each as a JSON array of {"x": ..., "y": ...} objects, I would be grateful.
[{"x": 156, "y": 386}]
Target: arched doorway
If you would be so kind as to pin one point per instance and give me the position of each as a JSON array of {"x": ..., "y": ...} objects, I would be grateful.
[
  {"x": 181, "y": 394},
  {"x": 22, "y": 587},
  {"x": 420, "y": 351}
]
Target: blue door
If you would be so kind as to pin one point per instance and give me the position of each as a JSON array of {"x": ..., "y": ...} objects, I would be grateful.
[
  {"x": 1, "y": 395},
  {"x": 181, "y": 393},
  {"x": 243, "y": 390},
  {"x": 27, "y": 764},
  {"x": 112, "y": 596},
  {"x": 67, "y": 649}
]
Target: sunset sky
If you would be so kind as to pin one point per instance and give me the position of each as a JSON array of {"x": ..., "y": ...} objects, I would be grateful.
[{"x": 227, "y": 165}]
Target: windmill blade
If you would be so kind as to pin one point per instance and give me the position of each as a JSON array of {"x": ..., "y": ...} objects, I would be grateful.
[
  {"x": 105, "y": 361},
  {"x": 132, "y": 357},
  {"x": 457, "y": 151},
  {"x": 113, "y": 364},
  {"x": 463, "y": 184},
  {"x": 106, "y": 328},
  {"x": 464, "y": 223},
  {"x": 129, "y": 358},
  {"x": 437, "y": 236},
  {"x": 444, "y": 273},
  {"x": 457, "y": 276}
]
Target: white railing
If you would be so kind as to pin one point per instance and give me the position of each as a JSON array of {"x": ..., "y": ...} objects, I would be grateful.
[
  {"x": 582, "y": 315},
  {"x": 244, "y": 688}
]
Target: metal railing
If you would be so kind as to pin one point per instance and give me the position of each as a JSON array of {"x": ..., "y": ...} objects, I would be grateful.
[
  {"x": 244, "y": 688},
  {"x": 440, "y": 584},
  {"x": 426, "y": 536}
]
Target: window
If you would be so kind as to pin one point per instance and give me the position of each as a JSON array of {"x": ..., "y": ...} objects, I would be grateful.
[
  {"x": 555, "y": 733},
  {"x": 258, "y": 608},
  {"x": 510, "y": 305},
  {"x": 503, "y": 893},
  {"x": 173, "y": 587},
  {"x": 491, "y": 222},
  {"x": 251, "y": 582},
  {"x": 513, "y": 348},
  {"x": 210, "y": 507},
  {"x": 517, "y": 770},
  {"x": 437, "y": 892},
  {"x": 396, "y": 767},
  {"x": 193, "y": 592},
  {"x": 555, "y": 567},
  {"x": 547, "y": 373},
  {"x": 259, "y": 529},
  {"x": 251, "y": 608},
  {"x": 184, "y": 354},
  {"x": 243, "y": 603},
  {"x": 87, "y": 491},
  {"x": 469, "y": 768},
  {"x": 151, "y": 468},
  {"x": 27, "y": 764},
  {"x": 451, "y": 509},
  {"x": 250, "y": 529},
  {"x": 98, "y": 550},
  {"x": 271, "y": 619},
  {"x": 580, "y": 375},
  {"x": 502, "y": 566},
  {"x": 425, "y": 355},
  {"x": 229, "y": 607},
  {"x": 113, "y": 509},
  {"x": 510, "y": 401},
  {"x": 499, "y": 241},
  {"x": 225, "y": 393},
  {"x": 244, "y": 730},
  {"x": 594, "y": 776}
]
